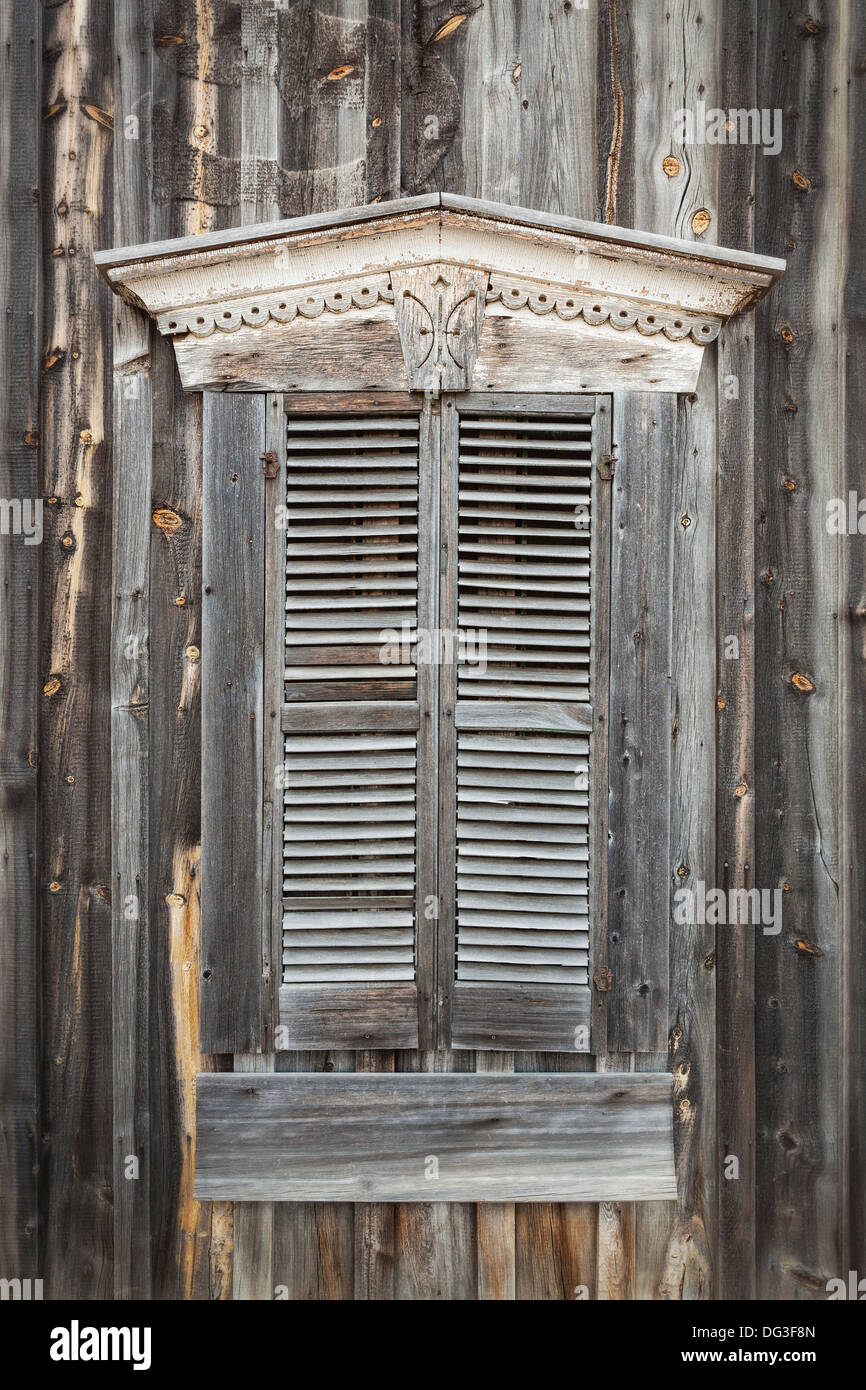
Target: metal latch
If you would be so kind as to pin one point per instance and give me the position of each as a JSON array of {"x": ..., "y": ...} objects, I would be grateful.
[
  {"x": 270, "y": 464},
  {"x": 607, "y": 466},
  {"x": 603, "y": 978}
]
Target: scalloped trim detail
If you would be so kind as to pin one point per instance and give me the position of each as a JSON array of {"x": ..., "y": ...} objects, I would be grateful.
[
  {"x": 620, "y": 313},
  {"x": 202, "y": 321}
]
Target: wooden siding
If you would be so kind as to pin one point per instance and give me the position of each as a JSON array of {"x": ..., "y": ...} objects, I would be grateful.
[{"x": 116, "y": 134}]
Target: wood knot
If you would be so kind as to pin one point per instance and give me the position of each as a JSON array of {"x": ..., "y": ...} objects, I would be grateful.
[
  {"x": 337, "y": 74},
  {"x": 671, "y": 166},
  {"x": 167, "y": 520},
  {"x": 103, "y": 118},
  {"x": 448, "y": 27},
  {"x": 701, "y": 221},
  {"x": 802, "y": 682}
]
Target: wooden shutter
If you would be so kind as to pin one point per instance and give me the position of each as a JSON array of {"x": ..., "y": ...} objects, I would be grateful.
[
  {"x": 520, "y": 846},
  {"x": 351, "y": 764},
  {"x": 235, "y": 965}
]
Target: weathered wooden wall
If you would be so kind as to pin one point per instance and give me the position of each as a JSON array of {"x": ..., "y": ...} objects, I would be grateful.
[{"x": 152, "y": 118}]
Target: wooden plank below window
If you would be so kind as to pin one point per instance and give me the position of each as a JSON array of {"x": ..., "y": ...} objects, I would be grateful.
[
  {"x": 520, "y": 1017},
  {"x": 343, "y": 1137},
  {"x": 342, "y": 1017}
]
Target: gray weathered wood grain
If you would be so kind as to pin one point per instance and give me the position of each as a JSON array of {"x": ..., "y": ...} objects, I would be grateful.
[
  {"x": 735, "y": 702},
  {"x": 76, "y": 1236},
  {"x": 799, "y": 450},
  {"x": 349, "y": 1016},
  {"x": 642, "y": 524},
  {"x": 130, "y": 696},
  {"x": 21, "y": 481},
  {"x": 533, "y": 1018},
  {"x": 343, "y": 1137},
  {"x": 233, "y": 618}
]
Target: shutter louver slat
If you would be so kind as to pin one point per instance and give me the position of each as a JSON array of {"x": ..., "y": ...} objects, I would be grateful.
[
  {"x": 349, "y": 799},
  {"x": 522, "y": 828}
]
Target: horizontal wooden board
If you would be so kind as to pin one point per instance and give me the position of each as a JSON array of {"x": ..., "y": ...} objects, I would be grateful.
[
  {"x": 519, "y": 351},
  {"x": 359, "y": 715},
  {"x": 344, "y": 1017},
  {"x": 350, "y": 351},
  {"x": 339, "y": 1137},
  {"x": 491, "y": 1016},
  {"x": 540, "y": 715}
]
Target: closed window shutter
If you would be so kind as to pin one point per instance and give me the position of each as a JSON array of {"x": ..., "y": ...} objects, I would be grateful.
[
  {"x": 350, "y": 719},
  {"x": 522, "y": 841}
]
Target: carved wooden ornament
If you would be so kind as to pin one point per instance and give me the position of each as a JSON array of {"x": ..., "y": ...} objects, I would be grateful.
[
  {"x": 438, "y": 293},
  {"x": 439, "y": 311}
]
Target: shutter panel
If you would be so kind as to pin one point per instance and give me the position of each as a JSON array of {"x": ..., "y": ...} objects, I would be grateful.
[
  {"x": 350, "y": 719},
  {"x": 527, "y": 490},
  {"x": 234, "y": 912}
]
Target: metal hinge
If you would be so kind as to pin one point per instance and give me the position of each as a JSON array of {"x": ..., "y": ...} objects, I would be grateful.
[
  {"x": 607, "y": 466},
  {"x": 603, "y": 978},
  {"x": 270, "y": 464}
]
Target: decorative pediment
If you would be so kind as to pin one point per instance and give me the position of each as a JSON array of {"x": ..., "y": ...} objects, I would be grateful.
[{"x": 437, "y": 293}]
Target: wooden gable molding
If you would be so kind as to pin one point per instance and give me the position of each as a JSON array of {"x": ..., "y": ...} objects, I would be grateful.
[{"x": 438, "y": 292}]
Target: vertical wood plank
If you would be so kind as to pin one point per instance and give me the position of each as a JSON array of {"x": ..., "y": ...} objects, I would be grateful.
[
  {"x": 799, "y": 453},
  {"x": 130, "y": 684},
  {"x": 735, "y": 700},
  {"x": 642, "y": 524},
  {"x": 76, "y": 1235},
  {"x": 21, "y": 482},
  {"x": 558, "y": 135},
  {"x": 382, "y": 83},
  {"x": 854, "y": 676},
  {"x": 232, "y": 707},
  {"x": 492, "y": 114}
]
